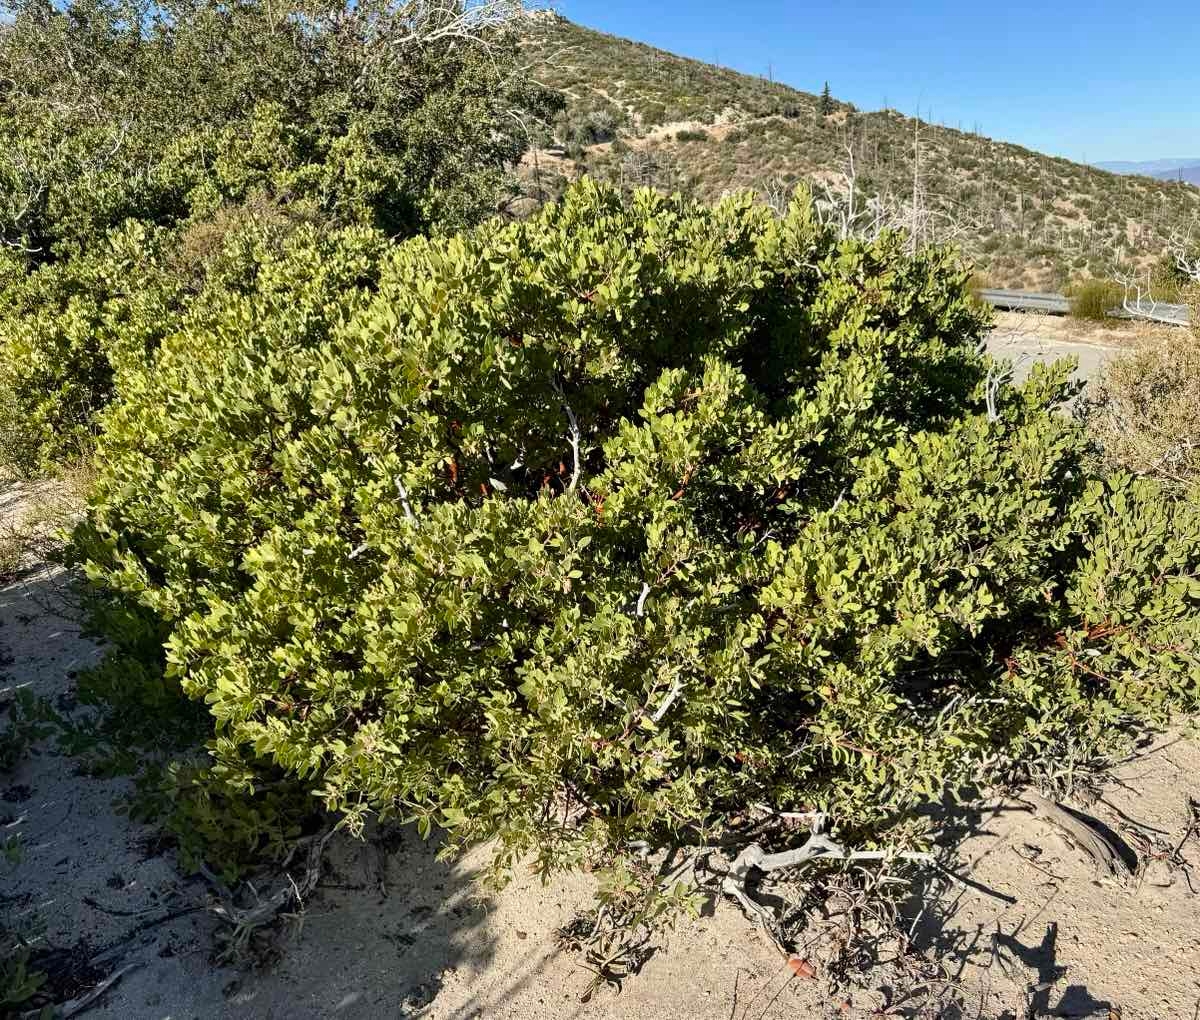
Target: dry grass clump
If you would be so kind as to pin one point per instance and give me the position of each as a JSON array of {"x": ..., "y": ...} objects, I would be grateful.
[
  {"x": 1094, "y": 299},
  {"x": 1144, "y": 409}
]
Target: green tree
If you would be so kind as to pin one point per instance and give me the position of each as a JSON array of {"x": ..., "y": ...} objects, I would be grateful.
[{"x": 826, "y": 106}]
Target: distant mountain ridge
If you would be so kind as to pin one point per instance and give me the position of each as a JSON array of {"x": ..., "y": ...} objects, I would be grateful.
[
  {"x": 1191, "y": 174},
  {"x": 638, "y": 115},
  {"x": 1159, "y": 168}
]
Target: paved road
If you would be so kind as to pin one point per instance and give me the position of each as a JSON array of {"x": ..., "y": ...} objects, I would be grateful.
[{"x": 1026, "y": 349}]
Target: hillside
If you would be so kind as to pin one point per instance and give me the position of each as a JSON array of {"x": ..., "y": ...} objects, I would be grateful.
[{"x": 639, "y": 115}]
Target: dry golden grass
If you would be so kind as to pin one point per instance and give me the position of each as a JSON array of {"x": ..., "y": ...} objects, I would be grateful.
[
  {"x": 37, "y": 515},
  {"x": 1144, "y": 409}
]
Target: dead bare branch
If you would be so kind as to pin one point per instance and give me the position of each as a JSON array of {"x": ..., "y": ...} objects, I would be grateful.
[
  {"x": 817, "y": 847},
  {"x": 433, "y": 21},
  {"x": 574, "y": 435},
  {"x": 245, "y": 920},
  {"x": 1086, "y": 836}
]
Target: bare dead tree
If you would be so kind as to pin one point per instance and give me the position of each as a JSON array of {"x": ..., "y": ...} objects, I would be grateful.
[
  {"x": 917, "y": 204},
  {"x": 777, "y": 193},
  {"x": 1140, "y": 300},
  {"x": 840, "y": 205},
  {"x": 649, "y": 169},
  {"x": 433, "y": 21},
  {"x": 1184, "y": 251}
]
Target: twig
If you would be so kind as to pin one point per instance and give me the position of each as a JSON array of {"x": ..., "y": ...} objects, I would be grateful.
[
  {"x": 245, "y": 920},
  {"x": 77, "y": 1006},
  {"x": 641, "y": 602},
  {"x": 1193, "y": 825},
  {"x": 137, "y": 929},
  {"x": 575, "y": 435},
  {"x": 113, "y": 911},
  {"x": 408, "y": 510},
  {"x": 669, "y": 700}
]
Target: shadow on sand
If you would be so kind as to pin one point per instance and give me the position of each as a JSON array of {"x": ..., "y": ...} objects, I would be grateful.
[{"x": 386, "y": 925}]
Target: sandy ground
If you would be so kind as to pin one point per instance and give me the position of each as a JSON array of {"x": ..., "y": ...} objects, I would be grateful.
[{"x": 393, "y": 932}]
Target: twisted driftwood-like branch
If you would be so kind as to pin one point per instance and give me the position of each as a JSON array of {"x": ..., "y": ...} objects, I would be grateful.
[
  {"x": 818, "y": 847},
  {"x": 244, "y": 920},
  {"x": 1086, "y": 836}
]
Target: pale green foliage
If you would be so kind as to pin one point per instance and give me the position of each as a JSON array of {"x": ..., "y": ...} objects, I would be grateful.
[
  {"x": 66, "y": 329},
  {"x": 74, "y": 328},
  {"x": 801, "y": 564},
  {"x": 135, "y": 138}
]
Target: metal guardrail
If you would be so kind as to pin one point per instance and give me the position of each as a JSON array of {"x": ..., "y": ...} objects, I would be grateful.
[
  {"x": 1057, "y": 304},
  {"x": 1172, "y": 315},
  {"x": 1027, "y": 301}
]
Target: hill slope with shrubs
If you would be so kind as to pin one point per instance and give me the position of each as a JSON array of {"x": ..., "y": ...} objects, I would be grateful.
[{"x": 638, "y": 115}]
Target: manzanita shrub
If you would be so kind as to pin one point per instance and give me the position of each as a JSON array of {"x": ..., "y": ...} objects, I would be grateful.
[
  {"x": 600, "y": 527},
  {"x": 71, "y": 330},
  {"x": 135, "y": 134}
]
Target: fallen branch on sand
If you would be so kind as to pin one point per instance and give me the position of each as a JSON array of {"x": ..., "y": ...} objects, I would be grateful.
[
  {"x": 1084, "y": 834},
  {"x": 818, "y": 847},
  {"x": 244, "y": 920}
]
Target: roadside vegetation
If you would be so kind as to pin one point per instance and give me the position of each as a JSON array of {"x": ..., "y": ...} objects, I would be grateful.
[
  {"x": 1144, "y": 410},
  {"x": 585, "y": 534},
  {"x": 1094, "y": 300}
]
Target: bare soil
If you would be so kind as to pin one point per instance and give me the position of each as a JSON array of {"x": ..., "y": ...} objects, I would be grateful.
[{"x": 393, "y": 932}]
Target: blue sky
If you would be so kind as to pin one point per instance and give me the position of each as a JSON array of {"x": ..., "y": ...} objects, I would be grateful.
[{"x": 1094, "y": 81}]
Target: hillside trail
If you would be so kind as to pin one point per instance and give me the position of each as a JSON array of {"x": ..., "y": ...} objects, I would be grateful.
[{"x": 394, "y": 932}]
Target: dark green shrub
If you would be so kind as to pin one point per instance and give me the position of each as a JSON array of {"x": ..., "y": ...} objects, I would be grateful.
[
  {"x": 652, "y": 113},
  {"x": 584, "y": 126},
  {"x": 161, "y": 111},
  {"x": 629, "y": 516},
  {"x": 19, "y": 979}
]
